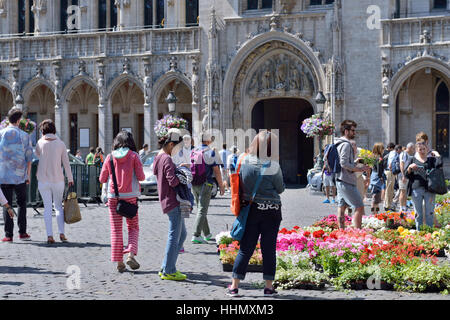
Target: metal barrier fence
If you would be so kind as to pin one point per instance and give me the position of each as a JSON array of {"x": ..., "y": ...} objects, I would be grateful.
[{"x": 86, "y": 184}]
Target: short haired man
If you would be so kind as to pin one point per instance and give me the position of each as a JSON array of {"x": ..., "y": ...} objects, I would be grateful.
[
  {"x": 202, "y": 193},
  {"x": 143, "y": 151},
  {"x": 389, "y": 203},
  {"x": 224, "y": 153},
  {"x": 16, "y": 155},
  {"x": 346, "y": 183},
  {"x": 402, "y": 180}
]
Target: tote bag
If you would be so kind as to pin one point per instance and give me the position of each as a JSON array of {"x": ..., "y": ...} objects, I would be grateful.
[
  {"x": 72, "y": 212},
  {"x": 234, "y": 185},
  {"x": 238, "y": 228}
]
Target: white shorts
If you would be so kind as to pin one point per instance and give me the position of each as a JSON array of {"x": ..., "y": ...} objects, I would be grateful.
[{"x": 328, "y": 181}]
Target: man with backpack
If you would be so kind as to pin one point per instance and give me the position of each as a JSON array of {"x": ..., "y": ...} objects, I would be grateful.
[
  {"x": 205, "y": 165},
  {"x": 341, "y": 161}
]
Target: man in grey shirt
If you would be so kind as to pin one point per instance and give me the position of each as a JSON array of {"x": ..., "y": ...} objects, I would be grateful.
[{"x": 347, "y": 192}]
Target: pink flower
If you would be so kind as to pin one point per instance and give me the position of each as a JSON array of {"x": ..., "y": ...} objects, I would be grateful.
[
  {"x": 342, "y": 261},
  {"x": 354, "y": 260}
]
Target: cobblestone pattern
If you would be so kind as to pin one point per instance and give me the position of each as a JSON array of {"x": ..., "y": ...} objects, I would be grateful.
[{"x": 34, "y": 270}]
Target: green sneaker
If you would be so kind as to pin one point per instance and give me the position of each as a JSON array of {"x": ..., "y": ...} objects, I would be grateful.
[
  {"x": 208, "y": 237},
  {"x": 177, "y": 276}
]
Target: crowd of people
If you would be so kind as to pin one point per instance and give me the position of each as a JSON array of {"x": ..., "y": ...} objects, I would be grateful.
[
  {"x": 185, "y": 176},
  {"x": 398, "y": 172}
]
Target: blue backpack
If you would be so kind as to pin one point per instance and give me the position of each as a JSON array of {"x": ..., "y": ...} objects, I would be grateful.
[
  {"x": 395, "y": 166},
  {"x": 331, "y": 155}
]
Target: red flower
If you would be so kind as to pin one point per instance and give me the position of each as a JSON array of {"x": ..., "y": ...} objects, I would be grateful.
[
  {"x": 296, "y": 227},
  {"x": 364, "y": 259},
  {"x": 306, "y": 233},
  {"x": 318, "y": 234}
]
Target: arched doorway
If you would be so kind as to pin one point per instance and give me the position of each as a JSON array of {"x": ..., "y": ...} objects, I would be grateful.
[
  {"x": 6, "y": 102},
  {"x": 184, "y": 101},
  {"x": 287, "y": 115},
  {"x": 83, "y": 118},
  {"x": 128, "y": 111},
  {"x": 423, "y": 105},
  {"x": 40, "y": 105}
]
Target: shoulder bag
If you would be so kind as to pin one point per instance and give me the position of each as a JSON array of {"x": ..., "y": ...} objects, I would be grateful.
[
  {"x": 234, "y": 186},
  {"x": 124, "y": 208},
  {"x": 238, "y": 228}
]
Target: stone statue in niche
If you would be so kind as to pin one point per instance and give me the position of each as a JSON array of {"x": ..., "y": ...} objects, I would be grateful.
[
  {"x": 280, "y": 74},
  {"x": 215, "y": 113},
  {"x": 3, "y": 9},
  {"x": 294, "y": 79},
  {"x": 306, "y": 83},
  {"x": 236, "y": 117},
  {"x": 266, "y": 75},
  {"x": 253, "y": 87}
]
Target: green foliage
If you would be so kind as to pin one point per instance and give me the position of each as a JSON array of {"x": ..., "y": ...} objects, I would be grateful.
[{"x": 300, "y": 279}]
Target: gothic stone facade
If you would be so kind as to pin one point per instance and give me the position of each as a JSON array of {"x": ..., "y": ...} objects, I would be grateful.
[{"x": 383, "y": 63}]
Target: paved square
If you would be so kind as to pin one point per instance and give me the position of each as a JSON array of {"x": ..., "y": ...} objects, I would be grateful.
[{"x": 34, "y": 270}]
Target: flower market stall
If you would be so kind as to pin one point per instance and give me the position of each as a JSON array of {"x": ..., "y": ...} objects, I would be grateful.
[{"x": 387, "y": 253}]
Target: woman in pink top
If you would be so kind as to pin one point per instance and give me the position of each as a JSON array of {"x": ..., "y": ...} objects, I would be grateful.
[
  {"x": 52, "y": 153},
  {"x": 129, "y": 171}
]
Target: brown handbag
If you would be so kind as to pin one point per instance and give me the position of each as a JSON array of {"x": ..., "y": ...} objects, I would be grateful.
[{"x": 72, "y": 212}]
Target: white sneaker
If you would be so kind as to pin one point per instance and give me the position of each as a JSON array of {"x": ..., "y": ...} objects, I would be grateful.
[
  {"x": 208, "y": 237},
  {"x": 198, "y": 240}
]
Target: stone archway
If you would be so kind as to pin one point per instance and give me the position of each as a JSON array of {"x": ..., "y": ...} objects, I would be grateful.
[
  {"x": 287, "y": 115},
  {"x": 299, "y": 64},
  {"x": 6, "y": 102}
]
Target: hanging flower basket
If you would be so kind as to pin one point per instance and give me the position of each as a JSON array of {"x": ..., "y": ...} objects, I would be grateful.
[
  {"x": 25, "y": 125},
  {"x": 316, "y": 126},
  {"x": 169, "y": 121}
]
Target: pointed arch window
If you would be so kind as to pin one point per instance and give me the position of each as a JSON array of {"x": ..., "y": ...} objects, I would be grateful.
[
  {"x": 442, "y": 119},
  {"x": 192, "y": 13},
  {"x": 154, "y": 13},
  {"x": 65, "y": 4},
  {"x": 25, "y": 17},
  {"x": 440, "y": 4},
  {"x": 259, "y": 4},
  {"x": 107, "y": 14}
]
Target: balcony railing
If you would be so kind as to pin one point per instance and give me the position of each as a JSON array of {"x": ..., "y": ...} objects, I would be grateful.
[
  {"x": 100, "y": 44},
  {"x": 407, "y": 31}
]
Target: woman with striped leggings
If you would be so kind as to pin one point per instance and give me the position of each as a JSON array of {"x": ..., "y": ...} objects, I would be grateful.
[{"x": 129, "y": 171}]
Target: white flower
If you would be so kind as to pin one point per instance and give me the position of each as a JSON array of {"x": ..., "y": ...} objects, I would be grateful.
[{"x": 221, "y": 235}]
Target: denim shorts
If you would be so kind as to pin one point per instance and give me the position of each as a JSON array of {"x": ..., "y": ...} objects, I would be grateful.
[{"x": 348, "y": 195}]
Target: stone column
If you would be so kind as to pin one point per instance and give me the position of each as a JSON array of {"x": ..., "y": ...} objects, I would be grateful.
[
  {"x": 196, "y": 108},
  {"x": 149, "y": 115}
]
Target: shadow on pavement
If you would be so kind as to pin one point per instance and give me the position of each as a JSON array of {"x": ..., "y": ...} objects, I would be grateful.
[
  {"x": 67, "y": 244},
  {"x": 19, "y": 270},
  {"x": 11, "y": 283},
  {"x": 197, "y": 278}
]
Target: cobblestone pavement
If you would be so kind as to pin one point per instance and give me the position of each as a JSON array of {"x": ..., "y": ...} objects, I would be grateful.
[{"x": 34, "y": 270}]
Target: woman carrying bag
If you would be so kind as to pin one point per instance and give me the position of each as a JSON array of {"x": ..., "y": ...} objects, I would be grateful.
[
  {"x": 164, "y": 170},
  {"x": 52, "y": 154},
  {"x": 416, "y": 170},
  {"x": 261, "y": 183},
  {"x": 124, "y": 166}
]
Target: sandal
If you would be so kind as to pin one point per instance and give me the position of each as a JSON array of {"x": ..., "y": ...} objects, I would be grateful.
[
  {"x": 121, "y": 267},
  {"x": 63, "y": 238},
  {"x": 131, "y": 261}
]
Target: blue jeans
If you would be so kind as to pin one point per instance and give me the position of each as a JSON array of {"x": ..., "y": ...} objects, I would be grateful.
[
  {"x": 259, "y": 223},
  {"x": 176, "y": 237},
  {"x": 419, "y": 196}
]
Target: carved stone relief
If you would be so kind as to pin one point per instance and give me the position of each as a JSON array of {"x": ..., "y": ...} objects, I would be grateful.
[{"x": 278, "y": 74}]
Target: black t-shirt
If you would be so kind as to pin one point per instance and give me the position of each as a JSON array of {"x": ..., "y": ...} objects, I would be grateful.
[{"x": 418, "y": 178}]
